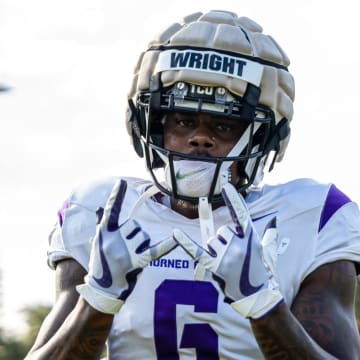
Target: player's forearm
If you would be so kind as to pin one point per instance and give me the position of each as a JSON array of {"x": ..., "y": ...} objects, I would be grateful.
[
  {"x": 81, "y": 336},
  {"x": 281, "y": 336}
]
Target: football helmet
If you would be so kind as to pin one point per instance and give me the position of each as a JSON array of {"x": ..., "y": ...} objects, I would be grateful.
[{"x": 221, "y": 64}]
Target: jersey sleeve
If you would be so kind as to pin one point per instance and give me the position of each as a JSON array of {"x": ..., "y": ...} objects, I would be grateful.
[
  {"x": 339, "y": 230},
  {"x": 71, "y": 235},
  {"x": 76, "y": 225}
]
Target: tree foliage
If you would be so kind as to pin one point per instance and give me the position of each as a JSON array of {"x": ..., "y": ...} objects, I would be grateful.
[
  {"x": 11, "y": 349},
  {"x": 15, "y": 347}
]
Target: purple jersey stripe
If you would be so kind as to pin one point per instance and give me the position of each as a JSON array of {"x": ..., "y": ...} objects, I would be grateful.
[
  {"x": 61, "y": 212},
  {"x": 335, "y": 200}
]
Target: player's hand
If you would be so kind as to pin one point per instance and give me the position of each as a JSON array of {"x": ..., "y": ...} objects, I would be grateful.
[
  {"x": 242, "y": 264},
  {"x": 118, "y": 255}
]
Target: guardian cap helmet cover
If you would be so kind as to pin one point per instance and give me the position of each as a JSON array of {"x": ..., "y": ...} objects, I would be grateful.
[{"x": 221, "y": 64}]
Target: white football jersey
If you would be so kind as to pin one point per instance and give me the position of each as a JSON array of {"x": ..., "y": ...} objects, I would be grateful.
[{"x": 169, "y": 315}]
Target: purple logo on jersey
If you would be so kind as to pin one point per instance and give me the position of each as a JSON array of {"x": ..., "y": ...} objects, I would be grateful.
[
  {"x": 61, "y": 212},
  {"x": 245, "y": 287},
  {"x": 106, "y": 280},
  {"x": 334, "y": 201}
]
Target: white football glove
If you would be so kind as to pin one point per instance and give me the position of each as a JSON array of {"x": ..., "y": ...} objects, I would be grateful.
[
  {"x": 118, "y": 255},
  {"x": 244, "y": 267}
]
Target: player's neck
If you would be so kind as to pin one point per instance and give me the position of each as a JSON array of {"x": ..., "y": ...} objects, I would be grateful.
[{"x": 188, "y": 209}]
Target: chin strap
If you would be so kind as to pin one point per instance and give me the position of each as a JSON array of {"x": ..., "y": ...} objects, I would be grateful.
[
  {"x": 207, "y": 230},
  {"x": 239, "y": 146}
]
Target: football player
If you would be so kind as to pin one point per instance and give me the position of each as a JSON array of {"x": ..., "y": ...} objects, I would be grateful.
[{"x": 205, "y": 262}]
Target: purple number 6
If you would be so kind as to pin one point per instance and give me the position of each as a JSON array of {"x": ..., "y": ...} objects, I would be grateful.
[{"x": 201, "y": 336}]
